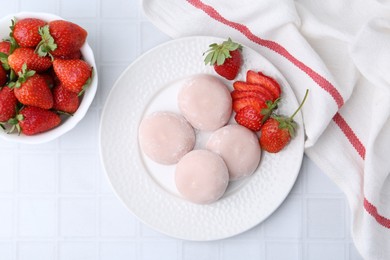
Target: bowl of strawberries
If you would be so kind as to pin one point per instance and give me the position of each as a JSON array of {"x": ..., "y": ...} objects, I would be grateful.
[{"x": 48, "y": 77}]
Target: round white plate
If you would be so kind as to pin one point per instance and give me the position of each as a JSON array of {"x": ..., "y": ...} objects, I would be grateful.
[{"x": 147, "y": 189}]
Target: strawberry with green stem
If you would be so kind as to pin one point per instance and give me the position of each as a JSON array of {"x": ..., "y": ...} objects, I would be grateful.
[
  {"x": 26, "y": 32},
  {"x": 27, "y": 56},
  {"x": 32, "y": 120},
  {"x": 225, "y": 57},
  {"x": 250, "y": 117},
  {"x": 32, "y": 89},
  {"x": 278, "y": 130},
  {"x": 74, "y": 75},
  {"x": 61, "y": 38}
]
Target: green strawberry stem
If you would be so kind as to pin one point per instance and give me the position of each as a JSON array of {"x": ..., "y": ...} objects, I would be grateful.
[
  {"x": 288, "y": 122},
  {"x": 86, "y": 84},
  {"x": 4, "y": 61},
  {"x": 47, "y": 44},
  {"x": 12, "y": 40},
  {"x": 300, "y": 106},
  {"x": 267, "y": 112},
  {"x": 218, "y": 53},
  {"x": 23, "y": 76},
  {"x": 14, "y": 122}
]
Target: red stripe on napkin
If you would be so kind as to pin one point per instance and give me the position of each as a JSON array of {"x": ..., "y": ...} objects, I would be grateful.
[
  {"x": 348, "y": 132},
  {"x": 373, "y": 211},
  {"x": 317, "y": 78}
]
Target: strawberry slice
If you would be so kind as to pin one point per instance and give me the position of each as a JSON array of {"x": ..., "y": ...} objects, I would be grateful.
[
  {"x": 245, "y": 86},
  {"x": 256, "y": 103},
  {"x": 268, "y": 82},
  {"x": 263, "y": 94}
]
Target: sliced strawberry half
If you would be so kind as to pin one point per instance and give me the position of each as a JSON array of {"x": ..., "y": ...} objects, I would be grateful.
[
  {"x": 246, "y": 86},
  {"x": 268, "y": 82},
  {"x": 258, "y": 93},
  {"x": 256, "y": 103}
]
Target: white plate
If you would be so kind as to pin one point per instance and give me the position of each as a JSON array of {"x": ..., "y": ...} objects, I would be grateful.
[{"x": 147, "y": 189}]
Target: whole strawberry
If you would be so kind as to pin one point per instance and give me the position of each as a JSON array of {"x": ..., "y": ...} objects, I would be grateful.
[
  {"x": 32, "y": 89},
  {"x": 65, "y": 100},
  {"x": 277, "y": 131},
  {"x": 8, "y": 103},
  {"x": 61, "y": 38},
  {"x": 5, "y": 47},
  {"x": 28, "y": 56},
  {"x": 3, "y": 76},
  {"x": 250, "y": 117},
  {"x": 33, "y": 120},
  {"x": 226, "y": 58},
  {"x": 26, "y": 32},
  {"x": 74, "y": 75}
]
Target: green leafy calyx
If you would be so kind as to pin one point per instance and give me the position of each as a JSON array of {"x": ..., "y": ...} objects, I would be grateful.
[
  {"x": 23, "y": 76},
  {"x": 47, "y": 44},
  {"x": 218, "y": 53},
  {"x": 288, "y": 122},
  {"x": 14, "y": 44}
]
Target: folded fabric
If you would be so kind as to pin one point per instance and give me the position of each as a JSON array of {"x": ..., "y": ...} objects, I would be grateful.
[{"x": 340, "y": 50}]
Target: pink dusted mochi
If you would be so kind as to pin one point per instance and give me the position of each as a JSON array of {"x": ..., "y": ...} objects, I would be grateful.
[
  {"x": 201, "y": 177},
  {"x": 165, "y": 137},
  {"x": 205, "y": 102},
  {"x": 239, "y": 148}
]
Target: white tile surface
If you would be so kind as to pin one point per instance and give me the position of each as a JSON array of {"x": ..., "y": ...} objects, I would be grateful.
[
  {"x": 36, "y": 250},
  {"x": 115, "y": 220},
  {"x": 41, "y": 178},
  {"x": 78, "y": 250},
  {"x": 56, "y": 203},
  {"x": 7, "y": 218},
  {"x": 78, "y": 172},
  {"x": 37, "y": 217},
  {"x": 78, "y": 217},
  {"x": 118, "y": 250}
]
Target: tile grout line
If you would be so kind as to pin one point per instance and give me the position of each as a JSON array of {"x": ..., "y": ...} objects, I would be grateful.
[
  {"x": 57, "y": 199},
  {"x": 303, "y": 247}
]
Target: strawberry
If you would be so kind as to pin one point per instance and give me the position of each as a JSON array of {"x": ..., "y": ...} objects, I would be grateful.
[
  {"x": 226, "y": 58},
  {"x": 32, "y": 89},
  {"x": 61, "y": 38},
  {"x": 277, "y": 131},
  {"x": 5, "y": 47},
  {"x": 256, "y": 103},
  {"x": 264, "y": 80},
  {"x": 27, "y": 56},
  {"x": 33, "y": 120},
  {"x": 65, "y": 100},
  {"x": 71, "y": 56},
  {"x": 245, "y": 86},
  {"x": 74, "y": 75},
  {"x": 50, "y": 80},
  {"x": 8, "y": 103},
  {"x": 255, "y": 93},
  {"x": 3, "y": 76},
  {"x": 26, "y": 32},
  {"x": 249, "y": 117}
]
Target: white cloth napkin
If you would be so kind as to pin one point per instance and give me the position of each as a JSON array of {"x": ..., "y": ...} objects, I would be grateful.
[{"x": 340, "y": 50}]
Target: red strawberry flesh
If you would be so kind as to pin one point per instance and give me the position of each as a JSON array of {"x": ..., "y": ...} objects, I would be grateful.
[{"x": 37, "y": 120}]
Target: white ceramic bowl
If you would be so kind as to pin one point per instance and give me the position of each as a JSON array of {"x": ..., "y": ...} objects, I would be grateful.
[{"x": 71, "y": 121}]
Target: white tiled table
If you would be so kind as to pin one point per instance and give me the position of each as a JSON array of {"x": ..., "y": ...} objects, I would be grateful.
[{"x": 55, "y": 201}]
